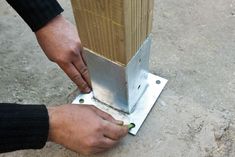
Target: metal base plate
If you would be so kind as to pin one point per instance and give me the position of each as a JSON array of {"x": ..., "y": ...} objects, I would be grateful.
[{"x": 142, "y": 108}]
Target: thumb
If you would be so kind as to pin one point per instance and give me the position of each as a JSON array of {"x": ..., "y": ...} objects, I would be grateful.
[{"x": 107, "y": 116}]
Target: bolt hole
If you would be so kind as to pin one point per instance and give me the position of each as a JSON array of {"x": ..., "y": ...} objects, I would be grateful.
[
  {"x": 158, "y": 82},
  {"x": 81, "y": 101},
  {"x": 139, "y": 87}
]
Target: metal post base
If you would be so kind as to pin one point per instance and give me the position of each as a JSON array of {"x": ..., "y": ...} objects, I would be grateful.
[{"x": 155, "y": 86}]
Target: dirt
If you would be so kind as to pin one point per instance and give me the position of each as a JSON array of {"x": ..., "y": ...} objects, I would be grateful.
[{"x": 193, "y": 47}]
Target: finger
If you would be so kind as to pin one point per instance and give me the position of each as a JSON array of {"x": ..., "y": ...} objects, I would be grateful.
[
  {"x": 75, "y": 76},
  {"x": 115, "y": 132},
  {"x": 107, "y": 116},
  {"x": 84, "y": 61},
  {"x": 119, "y": 122},
  {"x": 107, "y": 143},
  {"x": 83, "y": 55},
  {"x": 93, "y": 150},
  {"x": 98, "y": 150},
  {"x": 104, "y": 115},
  {"x": 78, "y": 62}
]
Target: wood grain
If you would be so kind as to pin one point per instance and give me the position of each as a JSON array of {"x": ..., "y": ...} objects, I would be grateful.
[{"x": 114, "y": 29}]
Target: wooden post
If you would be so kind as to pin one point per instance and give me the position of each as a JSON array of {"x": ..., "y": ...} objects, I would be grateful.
[
  {"x": 115, "y": 34},
  {"x": 114, "y": 29}
]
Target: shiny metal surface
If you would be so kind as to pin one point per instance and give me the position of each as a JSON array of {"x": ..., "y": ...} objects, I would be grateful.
[
  {"x": 137, "y": 74},
  {"x": 143, "y": 106},
  {"x": 117, "y": 85}
]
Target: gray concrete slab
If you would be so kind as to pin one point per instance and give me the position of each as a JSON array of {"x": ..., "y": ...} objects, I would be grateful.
[{"x": 193, "y": 47}]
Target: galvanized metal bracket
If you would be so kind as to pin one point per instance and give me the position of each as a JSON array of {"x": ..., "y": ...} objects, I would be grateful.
[
  {"x": 155, "y": 86},
  {"x": 127, "y": 92},
  {"x": 120, "y": 86}
]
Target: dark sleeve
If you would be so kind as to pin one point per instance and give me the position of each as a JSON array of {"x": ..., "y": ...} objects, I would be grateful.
[
  {"x": 23, "y": 127},
  {"x": 36, "y": 13}
]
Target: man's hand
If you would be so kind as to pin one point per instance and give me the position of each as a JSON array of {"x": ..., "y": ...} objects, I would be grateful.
[
  {"x": 60, "y": 41},
  {"x": 84, "y": 129}
]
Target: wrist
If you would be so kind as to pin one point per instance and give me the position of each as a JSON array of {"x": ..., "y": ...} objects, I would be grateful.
[
  {"x": 52, "y": 23},
  {"x": 54, "y": 123}
]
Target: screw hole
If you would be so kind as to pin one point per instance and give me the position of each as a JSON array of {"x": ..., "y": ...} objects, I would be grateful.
[
  {"x": 158, "y": 82},
  {"x": 140, "y": 60},
  {"x": 131, "y": 126},
  {"x": 81, "y": 101},
  {"x": 139, "y": 87}
]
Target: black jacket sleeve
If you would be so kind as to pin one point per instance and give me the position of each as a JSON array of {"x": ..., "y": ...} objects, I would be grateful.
[
  {"x": 36, "y": 13},
  {"x": 23, "y": 127}
]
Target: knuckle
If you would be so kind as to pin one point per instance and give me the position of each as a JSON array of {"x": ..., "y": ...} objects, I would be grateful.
[
  {"x": 79, "y": 81},
  {"x": 72, "y": 51},
  {"x": 75, "y": 48},
  {"x": 78, "y": 43},
  {"x": 60, "y": 60},
  {"x": 77, "y": 78},
  {"x": 91, "y": 142},
  {"x": 100, "y": 127},
  {"x": 117, "y": 136},
  {"x": 120, "y": 134},
  {"x": 83, "y": 70},
  {"x": 109, "y": 116}
]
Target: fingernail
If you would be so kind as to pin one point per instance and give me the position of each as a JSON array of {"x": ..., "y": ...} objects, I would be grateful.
[
  {"x": 87, "y": 90},
  {"x": 118, "y": 122}
]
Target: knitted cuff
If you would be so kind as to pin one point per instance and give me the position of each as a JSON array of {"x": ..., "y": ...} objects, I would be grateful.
[
  {"x": 23, "y": 127},
  {"x": 36, "y": 13}
]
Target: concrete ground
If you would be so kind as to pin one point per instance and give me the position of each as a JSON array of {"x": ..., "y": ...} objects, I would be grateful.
[{"x": 193, "y": 47}]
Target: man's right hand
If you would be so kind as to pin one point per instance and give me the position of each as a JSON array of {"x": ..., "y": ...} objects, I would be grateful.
[
  {"x": 60, "y": 41},
  {"x": 84, "y": 129}
]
